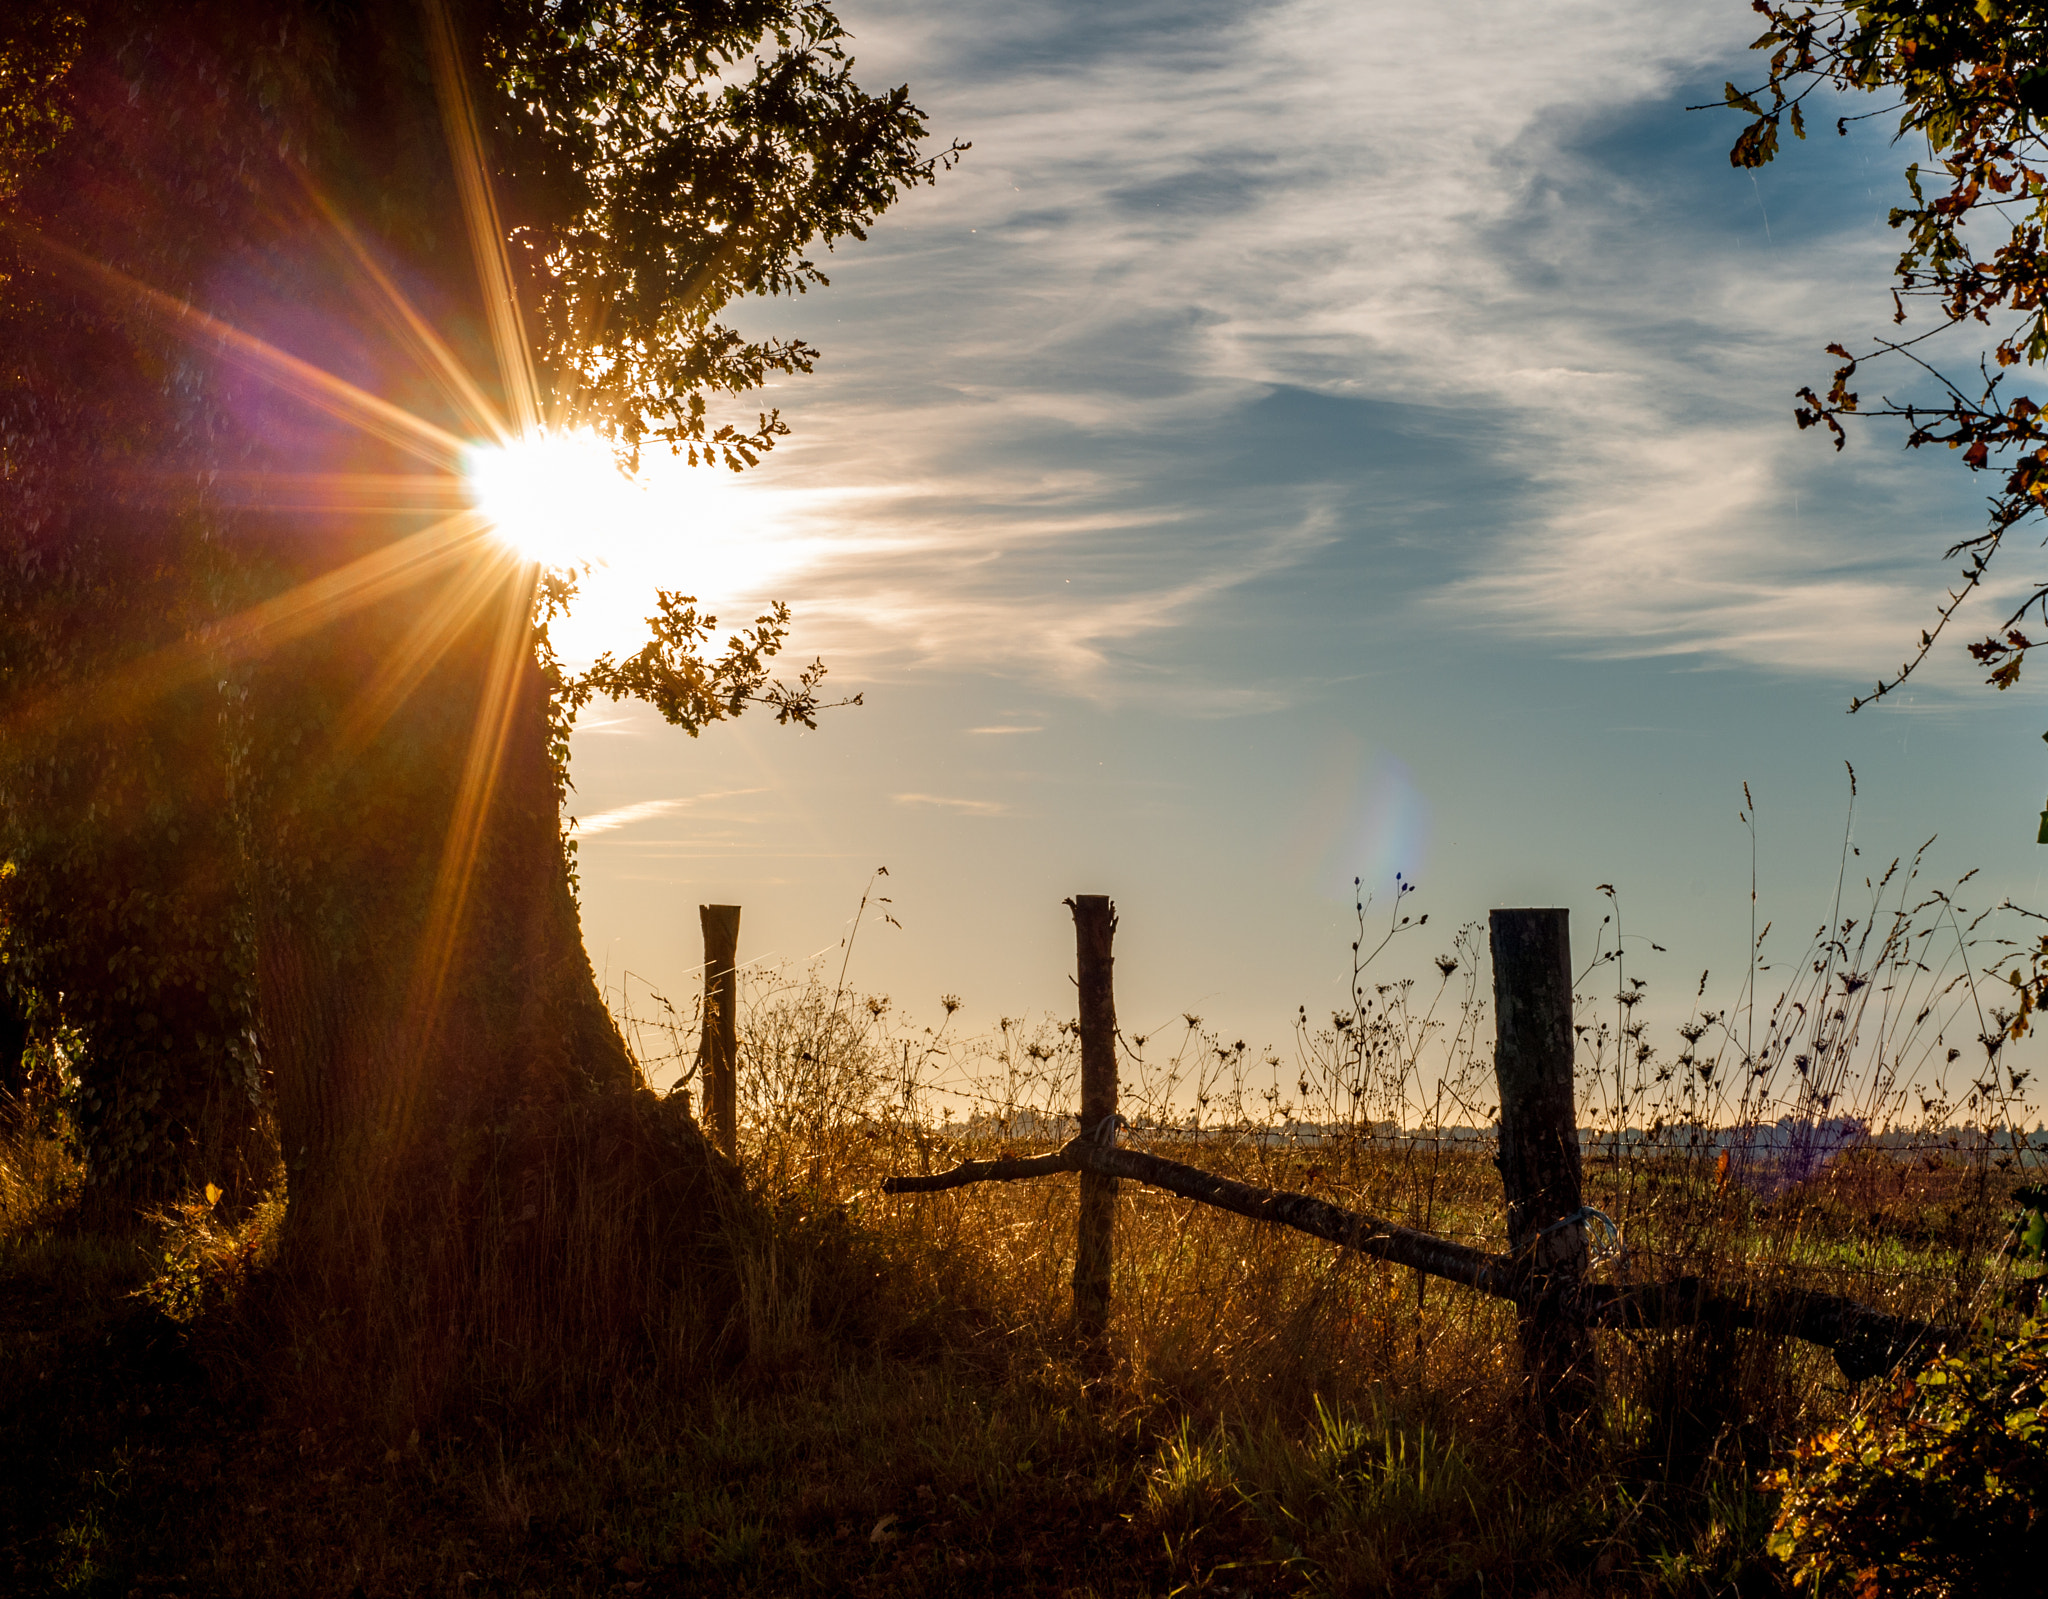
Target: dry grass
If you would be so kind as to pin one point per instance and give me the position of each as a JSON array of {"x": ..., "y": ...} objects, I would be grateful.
[
  {"x": 845, "y": 1392},
  {"x": 892, "y": 1406},
  {"x": 38, "y": 1177}
]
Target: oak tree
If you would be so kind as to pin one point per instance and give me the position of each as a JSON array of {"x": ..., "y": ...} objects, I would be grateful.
[{"x": 284, "y": 744}]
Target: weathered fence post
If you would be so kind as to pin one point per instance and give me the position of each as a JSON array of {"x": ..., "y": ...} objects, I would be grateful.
[
  {"x": 720, "y": 1050},
  {"x": 1543, "y": 1274},
  {"x": 1539, "y": 1156},
  {"x": 1095, "y": 1237}
]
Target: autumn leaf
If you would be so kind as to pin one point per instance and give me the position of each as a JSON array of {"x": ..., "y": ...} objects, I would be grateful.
[{"x": 1742, "y": 102}]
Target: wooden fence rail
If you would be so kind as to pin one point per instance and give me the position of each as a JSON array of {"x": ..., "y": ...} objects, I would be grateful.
[
  {"x": 1865, "y": 1341},
  {"x": 1544, "y": 1272}
]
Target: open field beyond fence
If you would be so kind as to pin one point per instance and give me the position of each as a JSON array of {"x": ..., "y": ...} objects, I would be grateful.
[{"x": 885, "y": 1394}]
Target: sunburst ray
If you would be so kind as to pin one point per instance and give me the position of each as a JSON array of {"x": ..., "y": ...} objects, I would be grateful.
[
  {"x": 493, "y": 586},
  {"x": 338, "y": 397},
  {"x": 434, "y": 630},
  {"x": 279, "y": 620},
  {"x": 498, "y": 704},
  {"x": 486, "y": 232},
  {"x": 400, "y": 316},
  {"x": 334, "y": 493}
]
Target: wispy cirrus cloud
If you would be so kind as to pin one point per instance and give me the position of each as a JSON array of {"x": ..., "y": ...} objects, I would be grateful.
[
  {"x": 1027, "y": 446},
  {"x": 947, "y": 802},
  {"x": 1280, "y": 406},
  {"x": 647, "y": 810}
]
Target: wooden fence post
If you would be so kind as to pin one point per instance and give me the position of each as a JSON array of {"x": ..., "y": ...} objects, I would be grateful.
[
  {"x": 1095, "y": 1236},
  {"x": 1539, "y": 1156},
  {"x": 720, "y": 1051}
]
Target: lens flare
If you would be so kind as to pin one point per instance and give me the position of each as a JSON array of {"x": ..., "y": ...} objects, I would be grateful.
[{"x": 557, "y": 499}]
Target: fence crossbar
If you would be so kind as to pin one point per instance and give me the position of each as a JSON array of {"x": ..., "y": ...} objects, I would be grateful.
[{"x": 1865, "y": 1341}]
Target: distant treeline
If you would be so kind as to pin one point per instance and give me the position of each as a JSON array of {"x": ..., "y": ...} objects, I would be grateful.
[{"x": 1833, "y": 1135}]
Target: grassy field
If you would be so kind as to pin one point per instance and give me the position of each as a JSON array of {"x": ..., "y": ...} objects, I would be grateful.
[
  {"x": 888, "y": 1401},
  {"x": 845, "y": 1392}
]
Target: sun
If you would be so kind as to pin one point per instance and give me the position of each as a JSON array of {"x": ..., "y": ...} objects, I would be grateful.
[{"x": 557, "y": 499}]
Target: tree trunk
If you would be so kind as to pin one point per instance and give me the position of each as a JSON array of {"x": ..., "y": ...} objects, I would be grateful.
[
  {"x": 424, "y": 990},
  {"x": 378, "y": 770},
  {"x": 477, "y": 1176}
]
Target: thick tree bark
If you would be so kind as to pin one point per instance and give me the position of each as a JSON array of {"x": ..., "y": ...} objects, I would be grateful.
[
  {"x": 479, "y": 1185},
  {"x": 200, "y": 355},
  {"x": 425, "y": 994}
]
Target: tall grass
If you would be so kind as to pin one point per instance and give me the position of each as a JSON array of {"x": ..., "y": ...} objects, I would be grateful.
[
  {"x": 826, "y": 1385},
  {"x": 1856, "y": 1132},
  {"x": 38, "y": 1174}
]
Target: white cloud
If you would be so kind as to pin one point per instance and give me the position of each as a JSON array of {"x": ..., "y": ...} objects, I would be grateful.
[
  {"x": 646, "y": 810},
  {"x": 1371, "y": 201},
  {"x": 966, "y": 807}
]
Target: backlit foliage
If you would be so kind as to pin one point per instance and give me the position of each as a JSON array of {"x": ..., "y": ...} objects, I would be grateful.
[
  {"x": 1939, "y": 1488},
  {"x": 1967, "y": 80}
]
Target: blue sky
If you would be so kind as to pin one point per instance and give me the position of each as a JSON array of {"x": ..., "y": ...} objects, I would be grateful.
[{"x": 1301, "y": 441}]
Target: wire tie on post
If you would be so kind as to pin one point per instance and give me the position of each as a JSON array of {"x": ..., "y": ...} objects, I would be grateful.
[{"x": 1585, "y": 1214}]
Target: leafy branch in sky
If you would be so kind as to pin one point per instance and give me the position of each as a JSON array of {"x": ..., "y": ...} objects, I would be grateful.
[
  {"x": 672, "y": 673},
  {"x": 1970, "y": 79}
]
